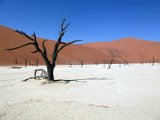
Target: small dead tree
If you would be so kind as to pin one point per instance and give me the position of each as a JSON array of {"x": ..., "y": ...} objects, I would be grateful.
[
  {"x": 26, "y": 62},
  {"x": 15, "y": 61},
  {"x": 43, "y": 75},
  {"x": 59, "y": 46},
  {"x": 110, "y": 62},
  {"x": 111, "y": 58},
  {"x": 153, "y": 61},
  {"x": 125, "y": 62},
  {"x": 81, "y": 63},
  {"x": 112, "y": 55},
  {"x": 37, "y": 61}
]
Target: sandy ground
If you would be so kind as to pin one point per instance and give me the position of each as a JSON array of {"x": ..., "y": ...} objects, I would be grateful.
[{"x": 120, "y": 93}]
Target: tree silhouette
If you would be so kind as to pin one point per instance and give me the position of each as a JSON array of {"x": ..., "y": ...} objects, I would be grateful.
[{"x": 59, "y": 46}]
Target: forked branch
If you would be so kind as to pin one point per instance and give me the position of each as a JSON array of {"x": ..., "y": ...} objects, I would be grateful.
[
  {"x": 24, "y": 34},
  {"x": 67, "y": 44},
  {"x": 59, "y": 42},
  {"x": 42, "y": 51}
]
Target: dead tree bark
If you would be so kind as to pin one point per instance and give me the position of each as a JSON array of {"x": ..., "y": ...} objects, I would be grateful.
[
  {"x": 43, "y": 75},
  {"x": 59, "y": 46}
]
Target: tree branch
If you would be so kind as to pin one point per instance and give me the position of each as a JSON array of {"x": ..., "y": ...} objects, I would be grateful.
[
  {"x": 24, "y": 34},
  {"x": 65, "y": 27},
  {"x": 36, "y": 46},
  {"x": 63, "y": 43},
  {"x": 34, "y": 35},
  {"x": 67, "y": 44},
  {"x": 34, "y": 51},
  {"x": 20, "y": 46},
  {"x": 44, "y": 47},
  {"x": 61, "y": 33}
]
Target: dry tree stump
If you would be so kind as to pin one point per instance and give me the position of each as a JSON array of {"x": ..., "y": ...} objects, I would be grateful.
[{"x": 43, "y": 75}]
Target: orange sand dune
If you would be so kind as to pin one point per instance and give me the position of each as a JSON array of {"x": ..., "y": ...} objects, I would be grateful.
[
  {"x": 127, "y": 49},
  {"x": 73, "y": 54}
]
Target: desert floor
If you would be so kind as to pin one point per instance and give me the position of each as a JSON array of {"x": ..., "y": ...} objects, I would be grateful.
[{"x": 120, "y": 93}]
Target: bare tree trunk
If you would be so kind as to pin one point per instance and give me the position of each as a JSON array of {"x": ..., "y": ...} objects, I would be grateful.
[{"x": 50, "y": 70}]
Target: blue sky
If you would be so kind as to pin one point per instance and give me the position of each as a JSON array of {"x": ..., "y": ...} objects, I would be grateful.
[{"x": 91, "y": 20}]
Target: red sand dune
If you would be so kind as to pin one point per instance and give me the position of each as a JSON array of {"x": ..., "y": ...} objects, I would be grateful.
[
  {"x": 127, "y": 49},
  {"x": 73, "y": 54}
]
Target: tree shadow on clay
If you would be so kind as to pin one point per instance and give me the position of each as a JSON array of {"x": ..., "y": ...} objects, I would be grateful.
[{"x": 82, "y": 80}]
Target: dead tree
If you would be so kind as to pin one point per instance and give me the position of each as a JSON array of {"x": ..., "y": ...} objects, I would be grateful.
[
  {"x": 43, "y": 75},
  {"x": 37, "y": 61},
  {"x": 15, "y": 61},
  {"x": 82, "y": 63},
  {"x": 110, "y": 62},
  {"x": 59, "y": 46},
  {"x": 111, "y": 58},
  {"x": 125, "y": 62},
  {"x": 153, "y": 61},
  {"x": 25, "y": 62}
]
